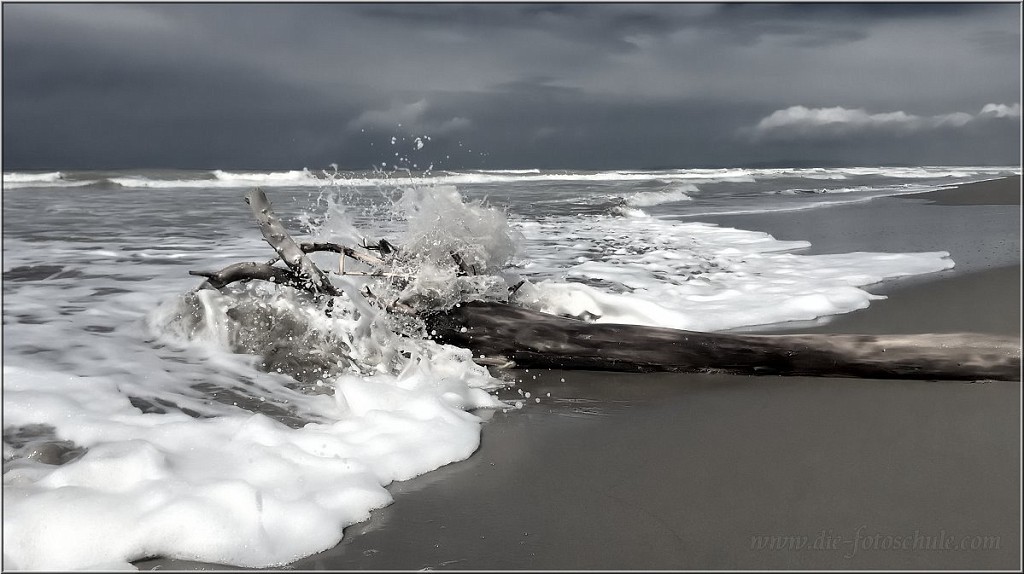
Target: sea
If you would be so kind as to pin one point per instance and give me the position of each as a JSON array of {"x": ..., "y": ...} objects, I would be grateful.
[{"x": 145, "y": 416}]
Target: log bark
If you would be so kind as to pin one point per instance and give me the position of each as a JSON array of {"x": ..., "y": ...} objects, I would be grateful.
[{"x": 533, "y": 339}]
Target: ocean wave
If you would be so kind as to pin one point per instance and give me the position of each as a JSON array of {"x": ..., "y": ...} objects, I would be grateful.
[
  {"x": 633, "y": 212},
  {"x": 33, "y": 177},
  {"x": 508, "y": 171},
  {"x": 722, "y": 175},
  {"x": 227, "y": 179},
  {"x": 822, "y": 190},
  {"x": 922, "y": 172},
  {"x": 321, "y": 179},
  {"x": 491, "y": 177},
  {"x": 17, "y": 180},
  {"x": 650, "y": 198},
  {"x": 284, "y": 178}
]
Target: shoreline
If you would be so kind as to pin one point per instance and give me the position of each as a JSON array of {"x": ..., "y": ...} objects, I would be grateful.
[
  {"x": 909, "y": 307},
  {"x": 686, "y": 471},
  {"x": 978, "y": 231}
]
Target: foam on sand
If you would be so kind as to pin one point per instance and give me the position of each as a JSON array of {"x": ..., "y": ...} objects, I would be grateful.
[
  {"x": 243, "y": 490},
  {"x": 230, "y": 484},
  {"x": 697, "y": 276},
  {"x": 274, "y": 426}
]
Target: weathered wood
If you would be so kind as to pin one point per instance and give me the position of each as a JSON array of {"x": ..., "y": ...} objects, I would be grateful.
[
  {"x": 286, "y": 247},
  {"x": 311, "y": 247},
  {"x": 247, "y": 272},
  {"x": 534, "y": 339}
]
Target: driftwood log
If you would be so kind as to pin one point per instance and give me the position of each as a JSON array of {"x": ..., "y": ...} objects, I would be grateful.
[
  {"x": 504, "y": 334},
  {"x": 533, "y": 339}
]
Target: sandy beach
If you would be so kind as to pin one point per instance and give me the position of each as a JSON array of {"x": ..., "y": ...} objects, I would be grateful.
[{"x": 682, "y": 471}]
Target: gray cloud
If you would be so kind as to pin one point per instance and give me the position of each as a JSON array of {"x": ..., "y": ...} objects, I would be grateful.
[{"x": 522, "y": 85}]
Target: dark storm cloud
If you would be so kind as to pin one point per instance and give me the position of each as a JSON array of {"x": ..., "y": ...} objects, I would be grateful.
[{"x": 521, "y": 85}]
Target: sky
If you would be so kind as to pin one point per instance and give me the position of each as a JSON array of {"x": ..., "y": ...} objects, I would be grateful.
[{"x": 509, "y": 86}]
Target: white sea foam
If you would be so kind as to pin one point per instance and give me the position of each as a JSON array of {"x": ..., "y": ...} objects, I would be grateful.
[
  {"x": 439, "y": 224},
  {"x": 698, "y": 276},
  {"x": 229, "y": 463},
  {"x": 243, "y": 490}
]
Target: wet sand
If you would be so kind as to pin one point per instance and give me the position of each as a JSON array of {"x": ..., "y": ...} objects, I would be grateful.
[
  {"x": 1005, "y": 191},
  {"x": 680, "y": 471}
]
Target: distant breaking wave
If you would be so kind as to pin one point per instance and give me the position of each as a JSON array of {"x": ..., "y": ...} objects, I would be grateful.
[
  {"x": 294, "y": 178},
  {"x": 50, "y": 179},
  {"x": 32, "y": 177},
  {"x": 512, "y": 171},
  {"x": 649, "y": 198},
  {"x": 312, "y": 178},
  {"x": 799, "y": 191}
]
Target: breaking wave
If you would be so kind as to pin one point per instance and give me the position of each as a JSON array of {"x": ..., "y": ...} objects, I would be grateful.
[
  {"x": 307, "y": 178},
  {"x": 52, "y": 179},
  {"x": 651, "y": 198}
]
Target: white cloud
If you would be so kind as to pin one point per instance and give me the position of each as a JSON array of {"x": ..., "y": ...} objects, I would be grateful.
[
  {"x": 397, "y": 115},
  {"x": 409, "y": 117},
  {"x": 801, "y": 119},
  {"x": 1001, "y": 110},
  {"x": 455, "y": 124},
  {"x": 955, "y": 119},
  {"x": 802, "y": 122}
]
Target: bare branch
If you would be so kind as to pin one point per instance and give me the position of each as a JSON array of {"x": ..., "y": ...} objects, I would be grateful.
[
  {"x": 383, "y": 246},
  {"x": 309, "y": 247},
  {"x": 247, "y": 272},
  {"x": 289, "y": 251}
]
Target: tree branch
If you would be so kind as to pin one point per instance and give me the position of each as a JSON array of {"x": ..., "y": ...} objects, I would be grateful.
[
  {"x": 289, "y": 251},
  {"x": 247, "y": 272}
]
